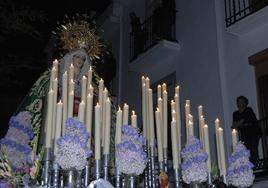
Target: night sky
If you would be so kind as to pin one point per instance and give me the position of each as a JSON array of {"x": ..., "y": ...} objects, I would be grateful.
[{"x": 23, "y": 57}]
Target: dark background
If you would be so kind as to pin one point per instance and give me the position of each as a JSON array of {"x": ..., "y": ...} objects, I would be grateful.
[{"x": 25, "y": 41}]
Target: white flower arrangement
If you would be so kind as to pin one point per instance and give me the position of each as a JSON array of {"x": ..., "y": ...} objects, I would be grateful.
[
  {"x": 72, "y": 147},
  {"x": 240, "y": 170},
  {"x": 194, "y": 167},
  {"x": 130, "y": 156}
]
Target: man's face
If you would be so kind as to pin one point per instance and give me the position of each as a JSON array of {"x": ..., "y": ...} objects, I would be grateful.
[{"x": 241, "y": 104}]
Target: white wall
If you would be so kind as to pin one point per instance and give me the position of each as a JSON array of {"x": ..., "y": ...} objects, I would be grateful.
[
  {"x": 197, "y": 63},
  {"x": 238, "y": 77}
]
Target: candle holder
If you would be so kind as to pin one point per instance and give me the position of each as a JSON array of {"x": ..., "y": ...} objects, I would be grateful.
[
  {"x": 106, "y": 166},
  {"x": 210, "y": 178},
  {"x": 165, "y": 155},
  {"x": 131, "y": 181},
  {"x": 55, "y": 175},
  {"x": 153, "y": 173},
  {"x": 118, "y": 178},
  {"x": 149, "y": 168},
  {"x": 98, "y": 169},
  {"x": 70, "y": 178},
  {"x": 161, "y": 166},
  {"x": 224, "y": 179},
  {"x": 177, "y": 177},
  {"x": 146, "y": 172},
  {"x": 86, "y": 174},
  {"x": 46, "y": 168}
]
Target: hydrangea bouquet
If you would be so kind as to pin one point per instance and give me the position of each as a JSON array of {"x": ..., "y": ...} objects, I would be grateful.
[
  {"x": 72, "y": 147},
  {"x": 240, "y": 171},
  {"x": 130, "y": 156},
  {"x": 18, "y": 166},
  {"x": 194, "y": 167}
]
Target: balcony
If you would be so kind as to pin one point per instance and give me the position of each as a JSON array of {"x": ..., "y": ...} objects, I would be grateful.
[
  {"x": 244, "y": 16},
  {"x": 153, "y": 44}
]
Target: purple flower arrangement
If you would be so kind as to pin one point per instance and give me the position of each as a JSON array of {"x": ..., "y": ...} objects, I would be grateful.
[
  {"x": 194, "y": 167},
  {"x": 15, "y": 143},
  {"x": 130, "y": 155},
  {"x": 72, "y": 146},
  {"x": 240, "y": 170}
]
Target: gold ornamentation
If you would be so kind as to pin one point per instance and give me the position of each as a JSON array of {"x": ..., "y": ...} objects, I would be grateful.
[{"x": 79, "y": 33}]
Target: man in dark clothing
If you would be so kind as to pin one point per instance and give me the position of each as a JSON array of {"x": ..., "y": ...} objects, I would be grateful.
[{"x": 245, "y": 121}]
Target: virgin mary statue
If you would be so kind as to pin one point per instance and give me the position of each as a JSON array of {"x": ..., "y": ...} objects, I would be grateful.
[{"x": 82, "y": 47}]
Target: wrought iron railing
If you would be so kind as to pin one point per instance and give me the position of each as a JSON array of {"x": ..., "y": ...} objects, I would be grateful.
[
  {"x": 159, "y": 26},
  {"x": 236, "y": 10}
]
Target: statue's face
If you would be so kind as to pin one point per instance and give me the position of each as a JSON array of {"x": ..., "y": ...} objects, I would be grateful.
[{"x": 78, "y": 61}]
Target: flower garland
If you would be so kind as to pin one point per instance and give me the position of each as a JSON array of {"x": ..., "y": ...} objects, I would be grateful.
[
  {"x": 72, "y": 147},
  {"x": 194, "y": 167},
  {"x": 130, "y": 155},
  {"x": 240, "y": 171}
]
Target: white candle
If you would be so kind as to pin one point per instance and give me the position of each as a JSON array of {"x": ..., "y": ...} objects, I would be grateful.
[
  {"x": 58, "y": 125},
  {"x": 217, "y": 126},
  {"x": 222, "y": 151},
  {"x": 200, "y": 115},
  {"x": 101, "y": 86},
  {"x": 175, "y": 153},
  {"x": 159, "y": 91},
  {"x": 56, "y": 66},
  {"x": 207, "y": 146},
  {"x": 71, "y": 72},
  {"x": 191, "y": 128},
  {"x": 55, "y": 63},
  {"x": 147, "y": 86},
  {"x": 201, "y": 124},
  {"x": 70, "y": 104},
  {"x": 89, "y": 109},
  {"x": 71, "y": 86},
  {"x": 151, "y": 117},
  {"x": 97, "y": 132},
  {"x": 49, "y": 119},
  {"x": 164, "y": 87},
  {"x": 89, "y": 77},
  {"x": 104, "y": 98},
  {"x": 160, "y": 109},
  {"x": 144, "y": 112},
  {"x": 173, "y": 114},
  {"x": 55, "y": 89},
  {"x": 177, "y": 90},
  {"x": 200, "y": 110},
  {"x": 178, "y": 119},
  {"x": 187, "y": 112},
  {"x": 134, "y": 119},
  {"x": 106, "y": 150},
  {"x": 125, "y": 114},
  {"x": 118, "y": 126},
  {"x": 159, "y": 135},
  {"x": 165, "y": 132},
  {"x": 64, "y": 100},
  {"x": 84, "y": 88},
  {"x": 81, "y": 112},
  {"x": 173, "y": 106},
  {"x": 91, "y": 90},
  {"x": 52, "y": 77},
  {"x": 234, "y": 138}
]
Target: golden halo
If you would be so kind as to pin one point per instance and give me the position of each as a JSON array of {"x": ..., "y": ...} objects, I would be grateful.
[{"x": 80, "y": 34}]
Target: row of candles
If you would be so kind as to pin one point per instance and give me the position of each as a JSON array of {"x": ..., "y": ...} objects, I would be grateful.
[
  {"x": 175, "y": 126},
  {"x": 57, "y": 113}
]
